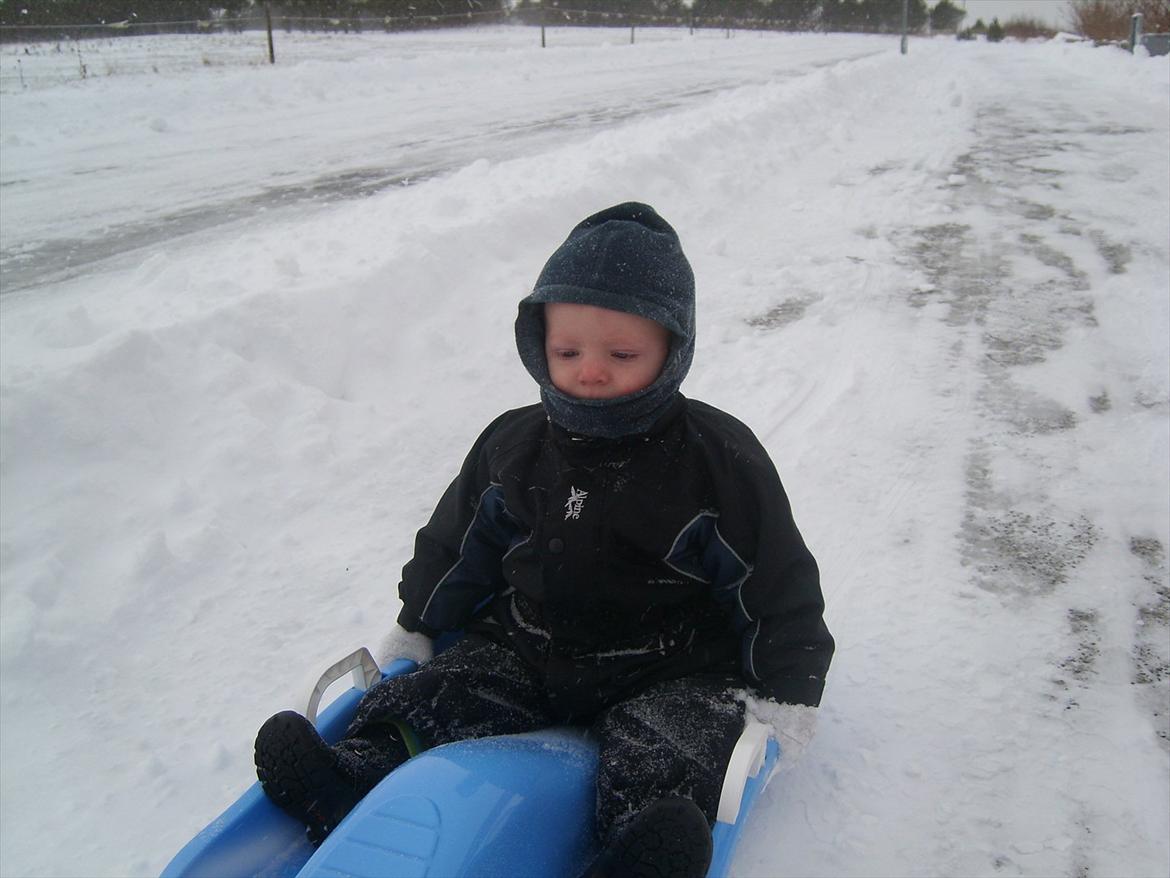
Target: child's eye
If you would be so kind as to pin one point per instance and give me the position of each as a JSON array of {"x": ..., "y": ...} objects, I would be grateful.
[
  {"x": 624, "y": 355},
  {"x": 564, "y": 354}
]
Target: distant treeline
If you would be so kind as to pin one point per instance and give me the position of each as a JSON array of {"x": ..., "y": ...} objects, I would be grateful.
[
  {"x": 881, "y": 16},
  {"x": 77, "y": 17},
  {"x": 146, "y": 16}
]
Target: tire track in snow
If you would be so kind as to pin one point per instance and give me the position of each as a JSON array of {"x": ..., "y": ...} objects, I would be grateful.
[{"x": 1018, "y": 273}]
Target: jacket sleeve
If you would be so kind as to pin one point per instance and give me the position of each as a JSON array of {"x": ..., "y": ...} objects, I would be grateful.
[
  {"x": 776, "y": 597},
  {"x": 456, "y": 566}
]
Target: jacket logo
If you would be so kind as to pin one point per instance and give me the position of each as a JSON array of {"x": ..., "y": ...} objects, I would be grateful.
[{"x": 574, "y": 503}]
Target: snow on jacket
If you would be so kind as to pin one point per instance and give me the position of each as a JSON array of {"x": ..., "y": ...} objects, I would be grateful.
[{"x": 609, "y": 564}]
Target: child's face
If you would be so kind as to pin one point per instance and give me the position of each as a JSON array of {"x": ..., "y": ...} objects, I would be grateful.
[{"x": 596, "y": 353}]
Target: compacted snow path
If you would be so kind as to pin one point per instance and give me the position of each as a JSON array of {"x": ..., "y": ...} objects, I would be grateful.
[
  {"x": 1037, "y": 638},
  {"x": 934, "y": 285}
]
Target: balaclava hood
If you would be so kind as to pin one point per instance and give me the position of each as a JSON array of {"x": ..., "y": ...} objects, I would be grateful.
[{"x": 626, "y": 258}]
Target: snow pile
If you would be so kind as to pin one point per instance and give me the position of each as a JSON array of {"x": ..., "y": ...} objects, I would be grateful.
[{"x": 934, "y": 285}]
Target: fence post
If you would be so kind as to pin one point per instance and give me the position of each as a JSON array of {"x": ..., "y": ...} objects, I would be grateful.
[
  {"x": 268, "y": 22},
  {"x": 542, "y": 18},
  {"x": 1135, "y": 32},
  {"x": 631, "y": 35},
  {"x": 905, "y": 22}
]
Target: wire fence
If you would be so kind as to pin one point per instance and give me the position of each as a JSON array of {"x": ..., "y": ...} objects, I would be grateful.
[
  {"x": 533, "y": 16},
  {"x": 240, "y": 24},
  {"x": 33, "y": 56},
  {"x": 553, "y": 16}
]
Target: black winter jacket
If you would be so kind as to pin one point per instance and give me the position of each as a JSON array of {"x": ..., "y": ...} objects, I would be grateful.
[{"x": 609, "y": 564}]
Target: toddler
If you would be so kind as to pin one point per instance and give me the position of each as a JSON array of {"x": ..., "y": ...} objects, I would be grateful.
[{"x": 617, "y": 556}]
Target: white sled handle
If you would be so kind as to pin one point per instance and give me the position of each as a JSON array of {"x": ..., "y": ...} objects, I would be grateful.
[
  {"x": 365, "y": 674},
  {"x": 746, "y": 761}
]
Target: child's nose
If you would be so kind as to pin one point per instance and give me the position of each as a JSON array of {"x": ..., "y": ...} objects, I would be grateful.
[{"x": 593, "y": 371}]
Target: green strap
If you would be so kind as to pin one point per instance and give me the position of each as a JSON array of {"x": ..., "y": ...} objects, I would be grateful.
[{"x": 409, "y": 738}]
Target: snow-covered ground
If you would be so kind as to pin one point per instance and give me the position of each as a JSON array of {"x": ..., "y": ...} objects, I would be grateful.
[
  {"x": 193, "y": 148},
  {"x": 937, "y": 286}
]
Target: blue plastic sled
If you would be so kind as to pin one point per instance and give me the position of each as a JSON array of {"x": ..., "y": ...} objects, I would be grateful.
[{"x": 509, "y": 806}]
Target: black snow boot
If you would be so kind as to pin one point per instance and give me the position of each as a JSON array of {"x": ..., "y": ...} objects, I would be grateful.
[
  {"x": 314, "y": 782},
  {"x": 669, "y": 838}
]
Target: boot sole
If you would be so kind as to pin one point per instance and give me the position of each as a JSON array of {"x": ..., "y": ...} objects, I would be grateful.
[
  {"x": 669, "y": 839},
  {"x": 298, "y": 772}
]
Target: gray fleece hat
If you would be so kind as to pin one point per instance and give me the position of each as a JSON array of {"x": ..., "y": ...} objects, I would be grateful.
[{"x": 625, "y": 258}]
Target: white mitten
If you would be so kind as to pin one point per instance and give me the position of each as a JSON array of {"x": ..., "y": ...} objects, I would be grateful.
[
  {"x": 402, "y": 644},
  {"x": 793, "y": 725}
]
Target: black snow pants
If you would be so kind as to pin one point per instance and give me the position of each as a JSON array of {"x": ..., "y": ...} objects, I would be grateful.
[{"x": 673, "y": 738}]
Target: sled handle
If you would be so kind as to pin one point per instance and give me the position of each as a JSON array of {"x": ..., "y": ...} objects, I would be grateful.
[
  {"x": 365, "y": 674},
  {"x": 746, "y": 760}
]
